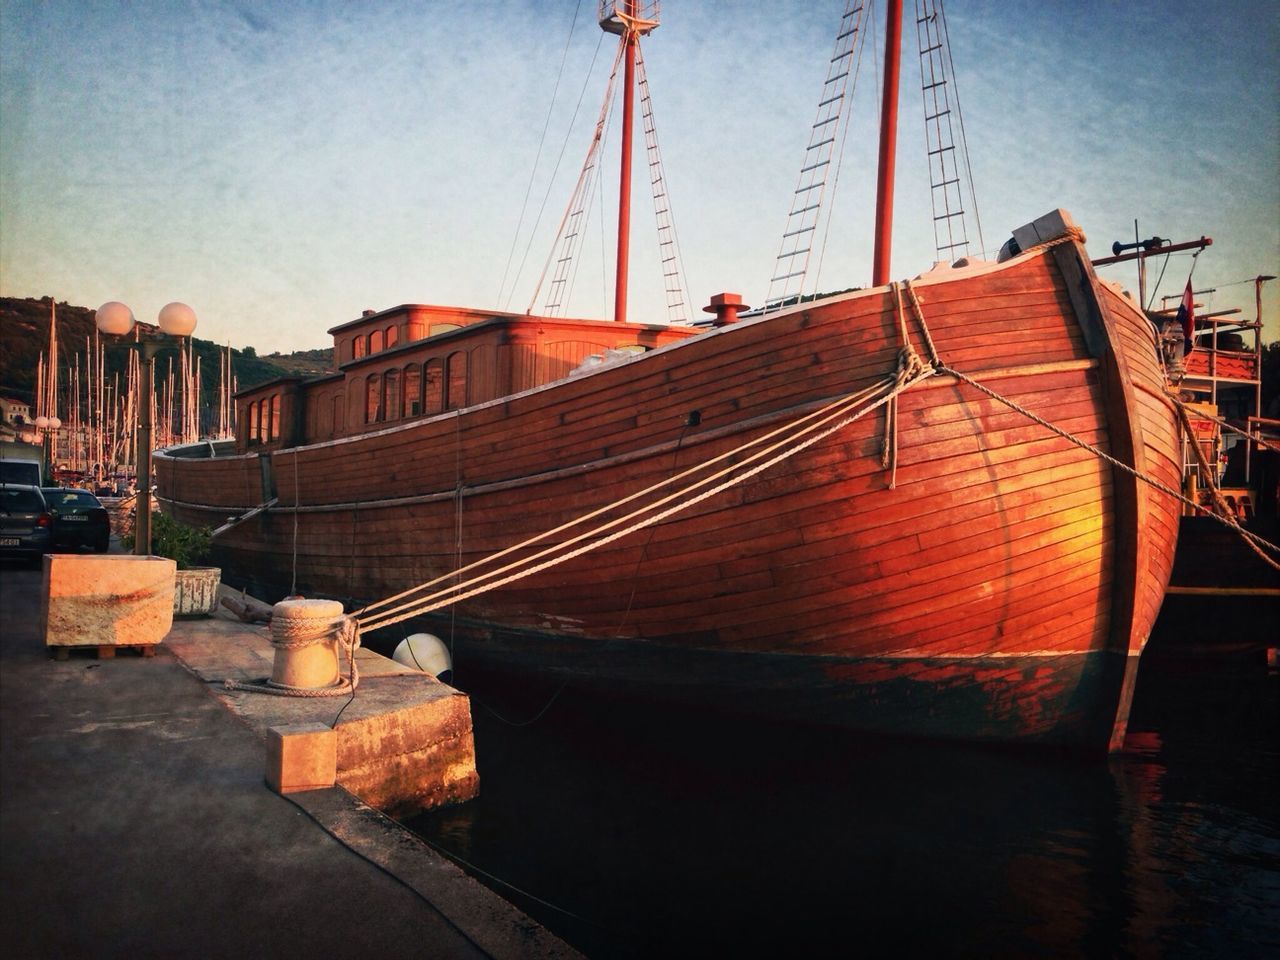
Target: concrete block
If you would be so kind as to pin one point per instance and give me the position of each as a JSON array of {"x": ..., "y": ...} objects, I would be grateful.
[
  {"x": 416, "y": 756},
  {"x": 301, "y": 756},
  {"x": 106, "y": 600}
]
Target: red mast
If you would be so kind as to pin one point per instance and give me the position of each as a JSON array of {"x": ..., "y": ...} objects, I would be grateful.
[
  {"x": 888, "y": 145},
  {"x": 630, "y": 19},
  {"x": 629, "y": 39}
]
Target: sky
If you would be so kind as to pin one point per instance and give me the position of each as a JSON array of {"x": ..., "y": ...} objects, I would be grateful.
[{"x": 283, "y": 166}]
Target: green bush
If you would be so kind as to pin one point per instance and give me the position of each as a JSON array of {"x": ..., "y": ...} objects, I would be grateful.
[{"x": 189, "y": 546}]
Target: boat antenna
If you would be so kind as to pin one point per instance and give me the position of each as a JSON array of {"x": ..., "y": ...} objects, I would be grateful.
[{"x": 888, "y": 144}]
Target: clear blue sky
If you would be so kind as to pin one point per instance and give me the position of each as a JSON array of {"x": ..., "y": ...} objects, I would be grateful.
[{"x": 282, "y": 166}]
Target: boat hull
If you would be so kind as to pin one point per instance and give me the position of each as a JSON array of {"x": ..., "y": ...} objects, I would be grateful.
[{"x": 994, "y": 581}]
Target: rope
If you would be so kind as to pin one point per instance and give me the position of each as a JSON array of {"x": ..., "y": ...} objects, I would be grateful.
[
  {"x": 843, "y": 411},
  {"x": 1225, "y": 517},
  {"x": 546, "y": 125},
  {"x": 605, "y": 509},
  {"x": 909, "y": 365},
  {"x": 1255, "y": 437},
  {"x": 295, "y": 633},
  {"x": 1224, "y": 514},
  {"x": 1228, "y": 521}
]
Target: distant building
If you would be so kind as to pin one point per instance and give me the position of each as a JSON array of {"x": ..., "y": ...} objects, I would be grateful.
[{"x": 14, "y": 411}]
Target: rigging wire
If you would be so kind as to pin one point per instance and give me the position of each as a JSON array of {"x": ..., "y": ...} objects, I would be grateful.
[
  {"x": 964, "y": 142},
  {"x": 677, "y": 296},
  {"x": 551, "y": 181},
  {"x": 835, "y": 180},
  {"x": 546, "y": 125},
  {"x": 578, "y": 202},
  {"x": 805, "y": 208},
  {"x": 1154, "y": 290}
]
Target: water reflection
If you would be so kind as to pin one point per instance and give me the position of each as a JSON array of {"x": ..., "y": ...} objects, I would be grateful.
[{"x": 646, "y": 831}]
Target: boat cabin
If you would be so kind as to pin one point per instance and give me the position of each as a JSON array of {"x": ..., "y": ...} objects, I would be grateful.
[{"x": 416, "y": 360}]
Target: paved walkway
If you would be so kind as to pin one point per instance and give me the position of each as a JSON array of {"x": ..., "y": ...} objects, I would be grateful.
[{"x": 134, "y": 822}]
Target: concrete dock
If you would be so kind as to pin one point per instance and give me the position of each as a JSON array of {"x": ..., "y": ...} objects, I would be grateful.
[{"x": 135, "y": 821}]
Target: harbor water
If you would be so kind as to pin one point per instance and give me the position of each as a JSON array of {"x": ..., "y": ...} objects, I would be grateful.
[{"x": 636, "y": 829}]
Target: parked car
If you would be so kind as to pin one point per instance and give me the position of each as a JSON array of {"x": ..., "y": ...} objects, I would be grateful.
[
  {"x": 79, "y": 519},
  {"x": 26, "y": 526}
]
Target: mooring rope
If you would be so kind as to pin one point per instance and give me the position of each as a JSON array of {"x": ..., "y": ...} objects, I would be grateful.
[
  {"x": 844, "y": 410},
  {"x": 1224, "y": 513},
  {"x": 1255, "y": 437},
  {"x": 1254, "y": 541},
  {"x": 764, "y": 438},
  {"x": 1251, "y": 538},
  {"x": 294, "y": 633}
]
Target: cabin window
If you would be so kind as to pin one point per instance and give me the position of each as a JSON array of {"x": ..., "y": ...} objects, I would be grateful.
[
  {"x": 359, "y": 348},
  {"x": 412, "y": 391},
  {"x": 375, "y": 342},
  {"x": 275, "y": 416},
  {"x": 433, "y": 383},
  {"x": 253, "y": 422},
  {"x": 455, "y": 394},
  {"x": 391, "y": 394},
  {"x": 372, "y": 398},
  {"x": 392, "y": 337}
]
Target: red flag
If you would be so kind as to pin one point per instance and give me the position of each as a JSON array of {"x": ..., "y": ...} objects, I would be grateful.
[{"x": 1187, "y": 317}]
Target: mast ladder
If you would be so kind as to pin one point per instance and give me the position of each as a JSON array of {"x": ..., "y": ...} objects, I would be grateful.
[
  {"x": 798, "y": 238},
  {"x": 673, "y": 279},
  {"x": 946, "y": 186},
  {"x": 574, "y": 221}
]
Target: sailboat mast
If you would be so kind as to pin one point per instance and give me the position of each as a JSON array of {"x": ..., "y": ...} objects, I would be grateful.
[
  {"x": 630, "y": 38},
  {"x": 888, "y": 144}
]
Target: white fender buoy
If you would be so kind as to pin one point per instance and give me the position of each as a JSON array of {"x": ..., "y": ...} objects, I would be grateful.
[
  {"x": 306, "y": 647},
  {"x": 422, "y": 651}
]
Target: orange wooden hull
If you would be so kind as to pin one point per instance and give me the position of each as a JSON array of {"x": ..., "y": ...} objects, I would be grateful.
[{"x": 1002, "y": 588}]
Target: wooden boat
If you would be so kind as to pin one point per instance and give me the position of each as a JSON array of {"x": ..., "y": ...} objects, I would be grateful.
[{"x": 913, "y": 556}]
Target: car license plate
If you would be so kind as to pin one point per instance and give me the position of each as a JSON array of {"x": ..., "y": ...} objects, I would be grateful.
[
  {"x": 10, "y": 542},
  {"x": 76, "y": 517}
]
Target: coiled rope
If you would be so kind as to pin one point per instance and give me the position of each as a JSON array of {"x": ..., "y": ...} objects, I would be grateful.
[{"x": 296, "y": 632}]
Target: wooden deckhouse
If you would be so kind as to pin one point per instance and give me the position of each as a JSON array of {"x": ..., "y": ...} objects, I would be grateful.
[{"x": 413, "y": 361}]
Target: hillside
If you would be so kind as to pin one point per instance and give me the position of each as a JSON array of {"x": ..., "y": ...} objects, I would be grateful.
[{"x": 24, "y": 335}]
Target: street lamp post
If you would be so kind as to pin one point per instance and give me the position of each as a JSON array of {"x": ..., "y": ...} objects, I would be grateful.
[
  {"x": 176, "y": 320},
  {"x": 48, "y": 427}
]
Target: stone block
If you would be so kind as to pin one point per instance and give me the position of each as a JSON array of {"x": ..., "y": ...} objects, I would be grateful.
[
  {"x": 301, "y": 756},
  {"x": 416, "y": 757},
  {"x": 106, "y": 600}
]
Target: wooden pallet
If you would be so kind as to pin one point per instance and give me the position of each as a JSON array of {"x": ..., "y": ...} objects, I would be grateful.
[{"x": 102, "y": 651}]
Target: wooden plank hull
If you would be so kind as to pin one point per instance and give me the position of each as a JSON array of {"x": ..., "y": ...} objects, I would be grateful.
[{"x": 998, "y": 584}]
